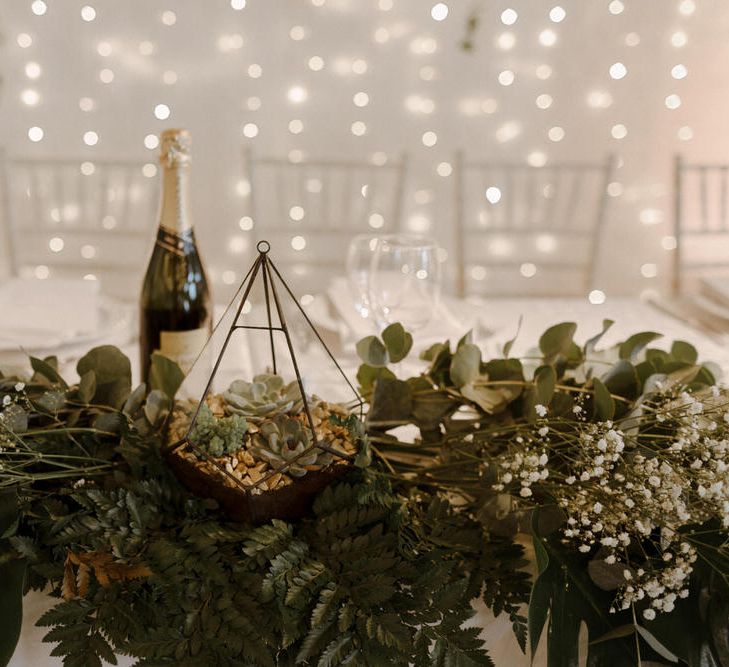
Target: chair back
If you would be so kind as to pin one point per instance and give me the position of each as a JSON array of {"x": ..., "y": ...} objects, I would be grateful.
[
  {"x": 530, "y": 230},
  {"x": 700, "y": 223},
  {"x": 76, "y": 218},
  {"x": 310, "y": 210}
]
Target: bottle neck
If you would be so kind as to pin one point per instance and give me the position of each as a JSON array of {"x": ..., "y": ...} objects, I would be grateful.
[{"x": 174, "y": 215}]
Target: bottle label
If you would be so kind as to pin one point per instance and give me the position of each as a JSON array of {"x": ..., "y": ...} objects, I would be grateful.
[
  {"x": 183, "y": 347},
  {"x": 180, "y": 243}
]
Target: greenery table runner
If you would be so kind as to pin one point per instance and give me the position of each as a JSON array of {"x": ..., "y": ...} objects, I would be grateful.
[{"x": 611, "y": 462}]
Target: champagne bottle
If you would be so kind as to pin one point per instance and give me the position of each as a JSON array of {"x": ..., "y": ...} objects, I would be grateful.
[{"x": 175, "y": 312}]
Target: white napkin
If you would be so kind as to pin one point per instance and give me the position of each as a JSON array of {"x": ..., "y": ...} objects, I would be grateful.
[{"x": 36, "y": 311}]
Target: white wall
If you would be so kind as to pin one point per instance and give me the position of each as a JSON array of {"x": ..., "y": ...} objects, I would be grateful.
[{"x": 470, "y": 109}]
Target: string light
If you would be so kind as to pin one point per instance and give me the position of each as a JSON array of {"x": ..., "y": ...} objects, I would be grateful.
[
  {"x": 506, "y": 78},
  {"x": 543, "y": 72},
  {"x": 91, "y": 138},
  {"x": 296, "y": 126},
  {"x": 106, "y": 75},
  {"x": 669, "y": 243},
  {"x": 679, "y": 71},
  {"x": 616, "y": 7},
  {"x": 429, "y": 139},
  {"x": 103, "y": 49},
  {"x": 528, "y": 270},
  {"x": 88, "y": 251},
  {"x": 38, "y": 7},
  {"x": 87, "y": 168},
  {"x": 544, "y": 101},
  {"x": 161, "y": 112},
  {"x": 536, "y": 159},
  {"x": 506, "y": 40},
  {"x": 56, "y": 244},
  {"x": 359, "y": 66},
  {"x": 88, "y": 13},
  {"x": 385, "y": 5},
  {"x": 618, "y": 71},
  {"x": 361, "y": 99},
  {"x": 376, "y": 221},
  {"x": 146, "y": 48},
  {"x": 685, "y": 133},
  {"x": 86, "y": 104},
  {"x": 649, "y": 270},
  {"x": 32, "y": 70},
  {"x": 316, "y": 63},
  {"x": 556, "y": 133},
  {"x": 382, "y": 35},
  {"x": 35, "y": 134},
  {"x": 246, "y": 223},
  {"x": 297, "y": 94},
  {"x": 557, "y": 14},
  {"x": 250, "y": 130},
  {"x": 298, "y": 243},
  {"x": 427, "y": 73},
  {"x": 444, "y": 169},
  {"x": 253, "y": 103},
  {"x": 632, "y": 39},
  {"x": 358, "y": 128},
  {"x": 24, "y": 40},
  {"x": 439, "y": 12},
  {"x": 673, "y": 101},
  {"x": 151, "y": 141},
  {"x": 548, "y": 37},
  {"x": 297, "y": 33},
  {"x": 30, "y": 97},
  {"x": 596, "y": 297},
  {"x": 255, "y": 71},
  {"x": 509, "y": 16},
  {"x": 687, "y": 7},
  {"x": 169, "y": 18},
  {"x": 493, "y": 194},
  {"x": 238, "y": 4},
  {"x": 169, "y": 77},
  {"x": 679, "y": 39},
  {"x": 619, "y": 131}
]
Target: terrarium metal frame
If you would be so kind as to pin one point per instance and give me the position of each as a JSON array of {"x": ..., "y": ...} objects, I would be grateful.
[{"x": 269, "y": 274}]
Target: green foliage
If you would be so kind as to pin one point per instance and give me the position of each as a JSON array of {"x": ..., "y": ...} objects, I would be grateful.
[{"x": 218, "y": 435}]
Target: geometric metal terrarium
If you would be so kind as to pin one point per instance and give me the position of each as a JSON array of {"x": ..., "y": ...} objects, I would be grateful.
[{"x": 254, "y": 499}]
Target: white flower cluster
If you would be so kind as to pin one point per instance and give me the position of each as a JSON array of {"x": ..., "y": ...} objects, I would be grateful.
[
  {"x": 524, "y": 467},
  {"x": 631, "y": 497}
]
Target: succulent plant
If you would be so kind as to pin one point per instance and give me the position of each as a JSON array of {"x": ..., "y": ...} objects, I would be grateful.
[
  {"x": 282, "y": 439},
  {"x": 218, "y": 435},
  {"x": 265, "y": 397}
]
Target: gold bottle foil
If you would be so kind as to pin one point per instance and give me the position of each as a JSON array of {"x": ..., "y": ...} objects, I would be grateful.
[{"x": 175, "y": 147}]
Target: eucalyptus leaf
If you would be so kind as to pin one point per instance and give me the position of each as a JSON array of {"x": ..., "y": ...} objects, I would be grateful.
[
  {"x": 398, "y": 342},
  {"x": 368, "y": 375},
  {"x": 557, "y": 341},
  {"x": 607, "y": 576},
  {"x": 465, "y": 365},
  {"x": 545, "y": 379},
  {"x": 372, "y": 351},
  {"x": 683, "y": 351},
  {"x": 510, "y": 343},
  {"x": 135, "y": 400},
  {"x": 44, "y": 368},
  {"x": 113, "y": 374},
  {"x": 157, "y": 407},
  {"x": 622, "y": 380},
  {"x": 165, "y": 375},
  {"x": 633, "y": 346},
  {"x": 489, "y": 399},
  {"x": 87, "y": 386},
  {"x": 604, "y": 402},
  {"x": 392, "y": 401},
  {"x": 592, "y": 342}
]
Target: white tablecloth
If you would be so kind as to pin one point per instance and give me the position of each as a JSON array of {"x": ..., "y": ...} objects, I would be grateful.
[{"x": 501, "y": 317}]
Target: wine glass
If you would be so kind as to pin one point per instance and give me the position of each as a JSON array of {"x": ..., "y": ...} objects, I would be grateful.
[
  {"x": 404, "y": 280},
  {"x": 359, "y": 261}
]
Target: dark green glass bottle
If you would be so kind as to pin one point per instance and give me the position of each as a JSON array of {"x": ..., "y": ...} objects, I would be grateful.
[{"x": 175, "y": 315}]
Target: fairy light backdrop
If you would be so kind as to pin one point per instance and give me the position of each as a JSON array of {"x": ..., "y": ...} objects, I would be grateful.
[{"x": 544, "y": 82}]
